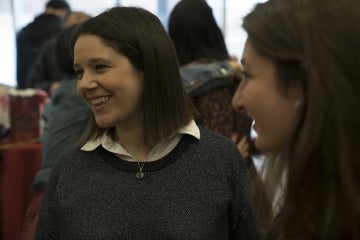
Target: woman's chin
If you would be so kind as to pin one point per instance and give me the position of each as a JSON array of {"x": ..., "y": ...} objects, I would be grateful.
[
  {"x": 269, "y": 148},
  {"x": 103, "y": 124},
  {"x": 261, "y": 145},
  {"x": 258, "y": 144}
]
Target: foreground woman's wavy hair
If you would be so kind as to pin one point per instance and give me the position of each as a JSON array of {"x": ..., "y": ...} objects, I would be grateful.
[{"x": 315, "y": 43}]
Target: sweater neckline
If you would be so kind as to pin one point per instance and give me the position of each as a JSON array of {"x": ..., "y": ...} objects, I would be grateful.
[{"x": 116, "y": 162}]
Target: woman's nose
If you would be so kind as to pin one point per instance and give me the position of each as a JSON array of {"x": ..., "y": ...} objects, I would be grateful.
[
  {"x": 237, "y": 100},
  {"x": 86, "y": 81}
]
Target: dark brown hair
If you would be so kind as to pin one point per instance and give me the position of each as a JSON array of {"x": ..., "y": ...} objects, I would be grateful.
[
  {"x": 58, "y": 4},
  {"x": 315, "y": 45},
  {"x": 195, "y": 33},
  {"x": 140, "y": 36}
]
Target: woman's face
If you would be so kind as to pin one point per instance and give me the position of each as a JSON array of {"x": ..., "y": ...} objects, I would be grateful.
[
  {"x": 108, "y": 83},
  {"x": 275, "y": 112}
]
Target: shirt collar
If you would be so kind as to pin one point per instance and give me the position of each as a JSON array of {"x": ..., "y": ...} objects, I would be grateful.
[{"x": 162, "y": 148}]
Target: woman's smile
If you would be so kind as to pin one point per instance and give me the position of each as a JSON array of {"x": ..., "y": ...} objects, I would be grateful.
[{"x": 99, "y": 101}]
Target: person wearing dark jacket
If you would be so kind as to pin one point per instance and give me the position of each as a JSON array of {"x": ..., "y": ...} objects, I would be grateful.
[
  {"x": 30, "y": 39},
  {"x": 45, "y": 73}
]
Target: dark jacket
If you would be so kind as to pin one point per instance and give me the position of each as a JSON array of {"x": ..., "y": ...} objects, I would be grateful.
[
  {"x": 29, "y": 42},
  {"x": 45, "y": 69},
  {"x": 66, "y": 118}
]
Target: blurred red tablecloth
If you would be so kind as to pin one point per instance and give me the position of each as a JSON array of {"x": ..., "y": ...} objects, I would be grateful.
[{"x": 19, "y": 164}]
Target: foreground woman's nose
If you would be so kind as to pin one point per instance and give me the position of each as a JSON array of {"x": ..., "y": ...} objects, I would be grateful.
[{"x": 237, "y": 100}]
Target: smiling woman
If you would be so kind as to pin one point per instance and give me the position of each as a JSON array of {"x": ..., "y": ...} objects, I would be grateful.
[
  {"x": 114, "y": 100},
  {"x": 141, "y": 143},
  {"x": 276, "y": 115},
  {"x": 302, "y": 90}
]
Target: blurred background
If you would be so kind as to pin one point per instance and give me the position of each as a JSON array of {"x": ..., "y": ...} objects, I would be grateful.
[{"x": 15, "y": 14}]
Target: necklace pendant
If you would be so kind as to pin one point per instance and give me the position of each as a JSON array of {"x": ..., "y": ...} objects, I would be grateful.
[{"x": 139, "y": 174}]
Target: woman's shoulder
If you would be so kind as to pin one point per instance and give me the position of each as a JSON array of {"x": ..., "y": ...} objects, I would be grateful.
[
  {"x": 75, "y": 160},
  {"x": 217, "y": 142},
  {"x": 74, "y": 156},
  {"x": 211, "y": 136},
  {"x": 220, "y": 153}
]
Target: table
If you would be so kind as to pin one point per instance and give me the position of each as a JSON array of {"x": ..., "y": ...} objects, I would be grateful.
[{"x": 19, "y": 164}]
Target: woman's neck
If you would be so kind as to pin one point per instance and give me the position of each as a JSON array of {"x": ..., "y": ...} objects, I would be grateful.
[{"x": 132, "y": 141}]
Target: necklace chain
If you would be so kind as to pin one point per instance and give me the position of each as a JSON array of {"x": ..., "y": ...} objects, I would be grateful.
[{"x": 140, "y": 173}]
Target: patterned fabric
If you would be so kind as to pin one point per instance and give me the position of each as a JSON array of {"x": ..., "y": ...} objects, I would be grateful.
[
  {"x": 200, "y": 78},
  {"x": 217, "y": 114}
]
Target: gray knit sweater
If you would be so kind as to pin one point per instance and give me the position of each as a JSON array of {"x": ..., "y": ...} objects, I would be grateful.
[{"x": 197, "y": 191}]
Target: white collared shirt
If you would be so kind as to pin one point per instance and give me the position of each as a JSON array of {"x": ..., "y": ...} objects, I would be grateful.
[{"x": 161, "y": 149}]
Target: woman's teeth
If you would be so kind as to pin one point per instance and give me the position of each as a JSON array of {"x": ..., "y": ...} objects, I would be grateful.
[{"x": 100, "y": 100}]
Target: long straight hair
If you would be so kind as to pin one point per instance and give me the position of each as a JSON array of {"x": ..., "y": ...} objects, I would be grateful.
[{"x": 315, "y": 45}]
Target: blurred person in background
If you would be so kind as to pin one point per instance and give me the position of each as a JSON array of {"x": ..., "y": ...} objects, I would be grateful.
[
  {"x": 67, "y": 115},
  {"x": 45, "y": 73},
  {"x": 31, "y": 38}
]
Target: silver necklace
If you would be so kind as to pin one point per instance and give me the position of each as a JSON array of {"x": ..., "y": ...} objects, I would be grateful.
[{"x": 140, "y": 173}]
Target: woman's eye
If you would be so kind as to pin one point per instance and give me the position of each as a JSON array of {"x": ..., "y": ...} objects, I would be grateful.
[{"x": 100, "y": 67}]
